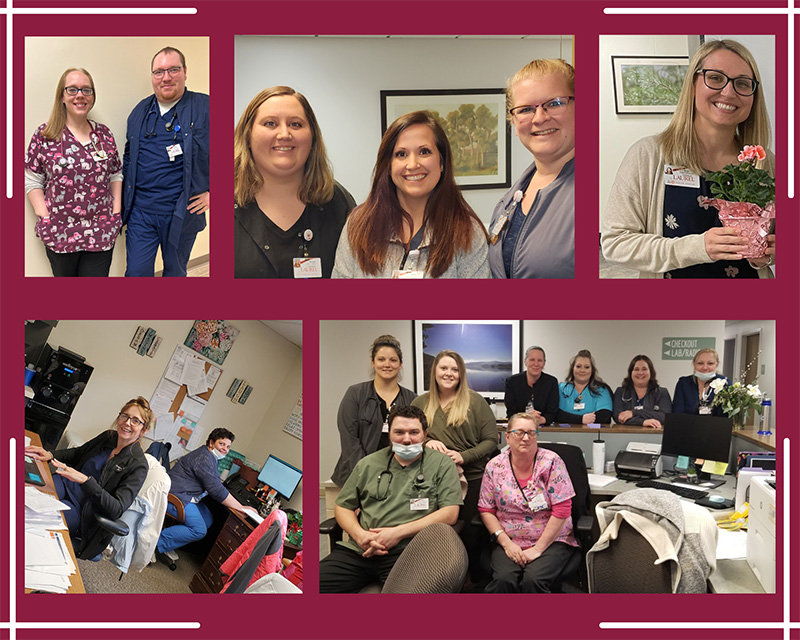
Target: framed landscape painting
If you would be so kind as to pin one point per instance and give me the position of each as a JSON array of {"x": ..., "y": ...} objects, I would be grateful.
[{"x": 648, "y": 84}]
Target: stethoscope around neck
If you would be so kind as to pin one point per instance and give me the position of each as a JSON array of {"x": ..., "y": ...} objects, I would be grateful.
[
  {"x": 172, "y": 126},
  {"x": 574, "y": 389},
  {"x": 419, "y": 480}
]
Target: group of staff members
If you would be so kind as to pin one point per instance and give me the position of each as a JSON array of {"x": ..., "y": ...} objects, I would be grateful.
[
  {"x": 294, "y": 220},
  {"x": 523, "y": 495}
]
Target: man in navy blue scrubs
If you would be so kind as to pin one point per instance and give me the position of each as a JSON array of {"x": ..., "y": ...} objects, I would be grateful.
[{"x": 165, "y": 169}]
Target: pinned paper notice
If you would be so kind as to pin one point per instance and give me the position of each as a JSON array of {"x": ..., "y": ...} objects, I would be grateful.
[{"x": 715, "y": 468}]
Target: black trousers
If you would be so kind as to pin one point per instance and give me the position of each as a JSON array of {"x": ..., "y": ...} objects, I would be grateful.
[
  {"x": 345, "y": 571},
  {"x": 534, "y": 577},
  {"x": 475, "y": 538},
  {"x": 93, "y": 264}
]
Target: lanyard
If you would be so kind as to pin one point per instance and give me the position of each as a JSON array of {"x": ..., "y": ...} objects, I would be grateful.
[{"x": 521, "y": 490}]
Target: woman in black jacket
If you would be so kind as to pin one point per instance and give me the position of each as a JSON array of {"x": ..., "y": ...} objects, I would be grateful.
[{"x": 101, "y": 477}]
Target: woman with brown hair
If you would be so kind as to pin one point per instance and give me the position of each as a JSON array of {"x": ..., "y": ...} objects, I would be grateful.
[
  {"x": 415, "y": 222},
  {"x": 289, "y": 211}
]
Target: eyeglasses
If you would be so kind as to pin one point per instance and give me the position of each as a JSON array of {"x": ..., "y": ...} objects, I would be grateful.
[
  {"x": 74, "y": 91},
  {"x": 124, "y": 417},
  {"x": 524, "y": 113},
  {"x": 717, "y": 81},
  {"x": 159, "y": 73},
  {"x": 523, "y": 433}
]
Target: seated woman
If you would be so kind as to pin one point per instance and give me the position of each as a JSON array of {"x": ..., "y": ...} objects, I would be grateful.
[
  {"x": 193, "y": 477},
  {"x": 415, "y": 222},
  {"x": 694, "y": 394},
  {"x": 583, "y": 397},
  {"x": 526, "y": 506},
  {"x": 640, "y": 401},
  {"x": 462, "y": 426},
  {"x": 288, "y": 205},
  {"x": 533, "y": 233},
  {"x": 101, "y": 477},
  {"x": 653, "y": 221},
  {"x": 364, "y": 410}
]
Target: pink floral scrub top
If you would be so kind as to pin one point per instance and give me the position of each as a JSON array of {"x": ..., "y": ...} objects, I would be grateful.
[
  {"x": 77, "y": 189},
  {"x": 500, "y": 494}
]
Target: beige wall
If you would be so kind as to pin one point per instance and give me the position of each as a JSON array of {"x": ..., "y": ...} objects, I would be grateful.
[
  {"x": 120, "y": 69},
  {"x": 270, "y": 363}
]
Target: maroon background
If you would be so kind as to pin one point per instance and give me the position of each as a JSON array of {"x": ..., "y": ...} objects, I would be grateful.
[{"x": 456, "y": 616}]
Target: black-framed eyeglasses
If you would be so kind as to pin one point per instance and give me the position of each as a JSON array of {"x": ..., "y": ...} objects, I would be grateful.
[
  {"x": 716, "y": 80},
  {"x": 159, "y": 73},
  {"x": 74, "y": 91},
  {"x": 132, "y": 419},
  {"x": 523, "y": 433},
  {"x": 552, "y": 107}
]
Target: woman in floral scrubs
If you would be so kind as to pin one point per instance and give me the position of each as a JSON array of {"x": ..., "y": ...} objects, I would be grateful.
[{"x": 73, "y": 178}]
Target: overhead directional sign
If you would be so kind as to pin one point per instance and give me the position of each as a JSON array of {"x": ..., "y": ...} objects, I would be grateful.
[{"x": 684, "y": 348}]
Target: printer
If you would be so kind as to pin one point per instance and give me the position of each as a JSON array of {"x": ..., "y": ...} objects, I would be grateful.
[{"x": 639, "y": 461}]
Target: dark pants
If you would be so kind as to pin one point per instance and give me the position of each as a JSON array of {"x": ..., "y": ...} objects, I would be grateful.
[
  {"x": 345, "y": 571},
  {"x": 475, "y": 538},
  {"x": 92, "y": 264},
  {"x": 145, "y": 232},
  {"x": 535, "y": 577}
]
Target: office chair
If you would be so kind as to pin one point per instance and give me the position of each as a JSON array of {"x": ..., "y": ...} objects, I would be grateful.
[
  {"x": 259, "y": 555},
  {"x": 435, "y": 561}
]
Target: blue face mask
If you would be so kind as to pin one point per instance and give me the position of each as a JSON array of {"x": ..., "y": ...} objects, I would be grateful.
[
  {"x": 407, "y": 451},
  {"x": 705, "y": 377}
]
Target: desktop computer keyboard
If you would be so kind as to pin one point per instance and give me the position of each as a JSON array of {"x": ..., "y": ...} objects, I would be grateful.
[{"x": 683, "y": 492}]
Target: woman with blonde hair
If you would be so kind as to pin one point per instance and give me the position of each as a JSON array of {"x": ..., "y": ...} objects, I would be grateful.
[
  {"x": 462, "y": 426},
  {"x": 73, "y": 179},
  {"x": 415, "y": 222},
  {"x": 655, "y": 220},
  {"x": 694, "y": 393},
  {"x": 533, "y": 225},
  {"x": 289, "y": 211}
]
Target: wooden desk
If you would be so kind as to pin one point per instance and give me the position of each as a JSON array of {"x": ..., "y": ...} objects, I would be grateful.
[
  {"x": 234, "y": 532},
  {"x": 750, "y": 434},
  {"x": 75, "y": 581}
]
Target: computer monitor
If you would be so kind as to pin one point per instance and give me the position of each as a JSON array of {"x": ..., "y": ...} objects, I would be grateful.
[
  {"x": 281, "y": 476},
  {"x": 696, "y": 436}
]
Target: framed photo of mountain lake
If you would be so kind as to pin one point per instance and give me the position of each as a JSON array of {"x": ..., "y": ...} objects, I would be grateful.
[
  {"x": 490, "y": 349},
  {"x": 648, "y": 84},
  {"x": 474, "y": 121}
]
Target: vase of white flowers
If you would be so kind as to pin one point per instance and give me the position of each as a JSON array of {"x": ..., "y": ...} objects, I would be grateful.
[{"x": 736, "y": 400}]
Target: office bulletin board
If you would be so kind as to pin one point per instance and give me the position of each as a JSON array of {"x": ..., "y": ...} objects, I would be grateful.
[{"x": 294, "y": 423}]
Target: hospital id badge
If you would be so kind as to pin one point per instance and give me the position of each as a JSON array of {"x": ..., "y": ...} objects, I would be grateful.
[
  {"x": 497, "y": 228},
  {"x": 419, "y": 504},
  {"x": 680, "y": 177},
  {"x": 639, "y": 407},
  {"x": 407, "y": 274},
  {"x": 537, "y": 503},
  {"x": 307, "y": 267},
  {"x": 705, "y": 411},
  {"x": 174, "y": 150},
  {"x": 385, "y": 428},
  {"x": 99, "y": 156},
  {"x": 579, "y": 406}
]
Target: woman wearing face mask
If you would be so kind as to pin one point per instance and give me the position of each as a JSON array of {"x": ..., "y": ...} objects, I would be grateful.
[
  {"x": 640, "y": 401},
  {"x": 415, "y": 222},
  {"x": 194, "y": 476},
  {"x": 101, "y": 477},
  {"x": 654, "y": 221},
  {"x": 364, "y": 410},
  {"x": 693, "y": 394},
  {"x": 583, "y": 397},
  {"x": 463, "y": 427}
]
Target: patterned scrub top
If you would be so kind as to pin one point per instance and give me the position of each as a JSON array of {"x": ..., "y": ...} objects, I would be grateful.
[
  {"x": 77, "y": 189},
  {"x": 500, "y": 494}
]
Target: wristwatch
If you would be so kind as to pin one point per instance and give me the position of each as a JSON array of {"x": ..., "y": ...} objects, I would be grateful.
[{"x": 495, "y": 535}]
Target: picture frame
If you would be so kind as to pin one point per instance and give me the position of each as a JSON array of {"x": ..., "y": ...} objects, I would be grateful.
[
  {"x": 490, "y": 348},
  {"x": 648, "y": 84},
  {"x": 475, "y": 123}
]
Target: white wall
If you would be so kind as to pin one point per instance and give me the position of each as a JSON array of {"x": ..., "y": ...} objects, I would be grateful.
[
  {"x": 120, "y": 69},
  {"x": 738, "y": 330},
  {"x": 342, "y": 78},
  {"x": 344, "y": 355},
  {"x": 619, "y": 132},
  {"x": 270, "y": 363}
]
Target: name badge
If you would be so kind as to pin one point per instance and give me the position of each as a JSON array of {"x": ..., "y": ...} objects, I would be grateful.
[
  {"x": 99, "y": 156},
  {"x": 579, "y": 406},
  {"x": 497, "y": 228},
  {"x": 307, "y": 267},
  {"x": 385, "y": 428},
  {"x": 639, "y": 407},
  {"x": 537, "y": 503},
  {"x": 174, "y": 150},
  {"x": 680, "y": 177},
  {"x": 705, "y": 411},
  {"x": 419, "y": 504},
  {"x": 407, "y": 274}
]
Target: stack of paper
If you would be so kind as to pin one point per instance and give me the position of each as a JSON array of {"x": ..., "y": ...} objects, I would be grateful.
[{"x": 48, "y": 564}]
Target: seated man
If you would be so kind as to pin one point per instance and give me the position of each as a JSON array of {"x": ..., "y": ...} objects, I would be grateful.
[
  {"x": 389, "y": 497},
  {"x": 194, "y": 476}
]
